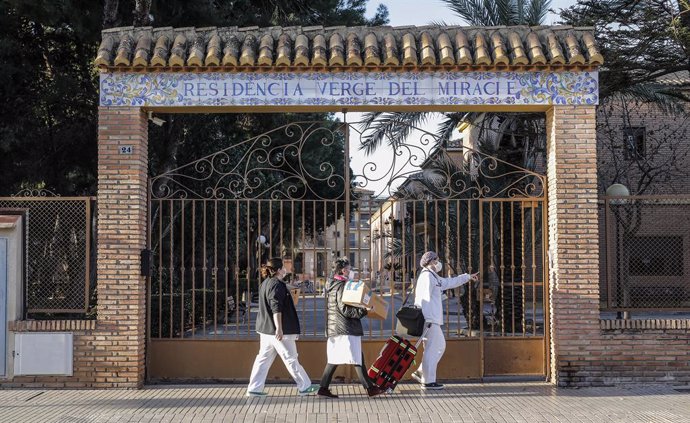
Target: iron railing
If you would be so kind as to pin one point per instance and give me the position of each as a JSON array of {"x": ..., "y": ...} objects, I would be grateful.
[
  {"x": 58, "y": 266},
  {"x": 207, "y": 253},
  {"x": 645, "y": 244}
]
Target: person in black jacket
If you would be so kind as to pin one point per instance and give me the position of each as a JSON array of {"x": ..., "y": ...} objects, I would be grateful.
[
  {"x": 278, "y": 326},
  {"x": 344, "y": 331}
]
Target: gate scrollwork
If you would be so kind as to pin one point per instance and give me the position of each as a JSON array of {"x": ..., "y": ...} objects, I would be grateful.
[
  {"x": 306, "y": 160},
  {"x": 281, "y": 164}
]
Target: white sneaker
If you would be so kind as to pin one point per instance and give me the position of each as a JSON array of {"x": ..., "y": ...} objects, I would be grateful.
[
  {"x": 310, "y": 390},
  {"x": 256, "y": 394},
  {"x": 417, "y": 376}
]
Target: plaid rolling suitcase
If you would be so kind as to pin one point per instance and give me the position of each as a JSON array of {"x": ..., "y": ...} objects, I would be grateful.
[{"x": 394, "y": 361}]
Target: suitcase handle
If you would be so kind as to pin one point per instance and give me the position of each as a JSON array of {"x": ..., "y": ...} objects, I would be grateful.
[{"x": 427, "y": 326}]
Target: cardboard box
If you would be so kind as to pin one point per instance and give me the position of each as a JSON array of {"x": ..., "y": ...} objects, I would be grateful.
[
  {"x": 356, "y": 293},
  {"x": 379, "y": 307},
  {"x": 295, "y": 294}
]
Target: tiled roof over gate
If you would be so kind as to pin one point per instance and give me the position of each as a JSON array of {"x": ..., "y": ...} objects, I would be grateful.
[{"x": 347, "y": 47}]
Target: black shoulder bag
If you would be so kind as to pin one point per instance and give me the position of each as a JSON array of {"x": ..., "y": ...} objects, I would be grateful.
[{"x": 410, "y": 317}]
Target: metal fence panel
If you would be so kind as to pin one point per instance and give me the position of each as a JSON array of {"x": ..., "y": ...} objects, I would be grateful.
[
  {"x": 206, "y": 252},
  {"x": 57, "y": 252},
  {"x": 647, "y": 253}
]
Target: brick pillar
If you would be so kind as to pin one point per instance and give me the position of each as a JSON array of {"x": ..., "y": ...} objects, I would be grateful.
[
  {"x": 573, "y": 241},
  {"x": 122, "y": 206}
]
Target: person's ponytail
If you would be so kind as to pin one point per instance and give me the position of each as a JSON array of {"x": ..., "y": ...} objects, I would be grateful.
[
  {"x": 271, "y": 267},
  {"x": 266, "y": 272}
]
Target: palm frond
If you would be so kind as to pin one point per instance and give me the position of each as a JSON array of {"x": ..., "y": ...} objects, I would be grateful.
[
  {"x": 375, "y": 131},
  {"x": 536, "y": 12},
  {"x": 433, "y": 177},
  {"x": 394, "y": 126},
  {"x": 443, "y": 23},
  {"x": 445, "y": 163},
  {"x": 368, "y": 119},
  {"x": 448, "y": 125},
  {"x": 471, "y": 11},
  {"x": 500, "y": 12},
  {"x": 409, "y": 191},
  {"x": 667, "y": 98},
  {"x": 504, "y": 11},
  {"x": 520, "y": 11}
]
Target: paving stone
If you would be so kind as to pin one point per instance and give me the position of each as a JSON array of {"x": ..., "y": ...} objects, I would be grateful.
[{"x": 471, "y": 402}]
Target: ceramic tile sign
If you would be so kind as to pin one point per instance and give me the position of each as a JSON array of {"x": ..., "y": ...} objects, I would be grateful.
[{"x": 349, "y": 89}]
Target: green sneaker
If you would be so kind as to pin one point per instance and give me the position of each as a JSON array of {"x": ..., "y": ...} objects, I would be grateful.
[
  {"x": 256, "y": 394},
  {"x": 310, "y": 390}
]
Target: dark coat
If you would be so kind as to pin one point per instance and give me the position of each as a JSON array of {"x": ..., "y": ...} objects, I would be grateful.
[
  {"x": 343, "y": 319},
  {"x": 274, "y": 297}
]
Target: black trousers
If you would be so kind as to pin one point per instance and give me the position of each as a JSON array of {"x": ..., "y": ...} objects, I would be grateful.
[{"x": 360, "y": 369}]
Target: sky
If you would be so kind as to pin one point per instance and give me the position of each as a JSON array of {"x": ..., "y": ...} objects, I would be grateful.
[
  {"x": 402, "y": 13},
  {"x": 409, "y": 12}
]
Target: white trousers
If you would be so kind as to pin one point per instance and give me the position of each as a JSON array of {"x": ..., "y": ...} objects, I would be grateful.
[
  {"x": 434, "y": 347},
  {"x": 268, "y": 349}
]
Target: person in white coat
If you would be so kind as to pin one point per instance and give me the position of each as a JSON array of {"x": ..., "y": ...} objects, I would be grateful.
[{"x": 428, "y": 296}]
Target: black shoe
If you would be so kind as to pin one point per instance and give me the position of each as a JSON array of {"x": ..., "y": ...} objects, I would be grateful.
[
  {"x": 434, "y": 386},
  {"x": 326, "y": 393}
]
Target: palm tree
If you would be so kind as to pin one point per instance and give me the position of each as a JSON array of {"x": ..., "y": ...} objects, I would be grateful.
[
  {"x": 396, "y": 126},
  {"x": 500, "y": 12}
]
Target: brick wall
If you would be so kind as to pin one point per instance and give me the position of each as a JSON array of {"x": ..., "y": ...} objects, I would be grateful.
[
  {"x": 109, "y": 353},
  {"x": 666, "y": 155},
  {"x": 573, "y": 238},
  {"x": 633, "y": 356},
  {"x": 122, "y": 228},
  {"x": 640, "y": 351},
  {"x": 585, "y": 350},
  {"x": 84, "y": 361}
]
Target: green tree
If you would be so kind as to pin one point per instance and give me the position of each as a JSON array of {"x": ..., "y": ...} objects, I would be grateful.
[
  {"x": 48, "y": 122},
  {"x": 262, "y": 13},
  {"x": 48, "y": 116},
  {"x": 642, "y": 41},
  {"x": 396, "y": 126}
]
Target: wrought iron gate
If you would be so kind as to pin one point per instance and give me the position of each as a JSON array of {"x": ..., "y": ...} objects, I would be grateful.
[{"x": 290, "y": 193}]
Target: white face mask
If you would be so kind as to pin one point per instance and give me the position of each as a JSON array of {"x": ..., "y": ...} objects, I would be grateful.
[
  {"x": 438, "y": 266},
  {"x": 351, "y": 275}
]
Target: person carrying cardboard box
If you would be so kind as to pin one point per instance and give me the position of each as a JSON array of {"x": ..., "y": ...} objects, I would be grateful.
[
  {"x": 358, "y": 294},
  {"x": 344, "y": 331}
]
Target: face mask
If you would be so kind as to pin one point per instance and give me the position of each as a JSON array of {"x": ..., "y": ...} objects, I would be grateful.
[
  {"x": 438, "y": 266},
  {"x": 351, "y": 275}
]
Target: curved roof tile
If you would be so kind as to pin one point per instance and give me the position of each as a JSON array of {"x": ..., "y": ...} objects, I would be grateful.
[{"x": 354, "y": 47}]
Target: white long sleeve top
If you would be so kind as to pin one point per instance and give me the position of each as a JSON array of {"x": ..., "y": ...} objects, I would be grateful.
[{"x": 429, "y": 291}]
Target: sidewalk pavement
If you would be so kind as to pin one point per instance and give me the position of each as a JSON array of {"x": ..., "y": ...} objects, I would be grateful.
[{"x": 468, "y": 402}]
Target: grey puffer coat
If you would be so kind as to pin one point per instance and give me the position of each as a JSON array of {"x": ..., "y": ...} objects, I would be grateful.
[{"x": 343, "y": 319}]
